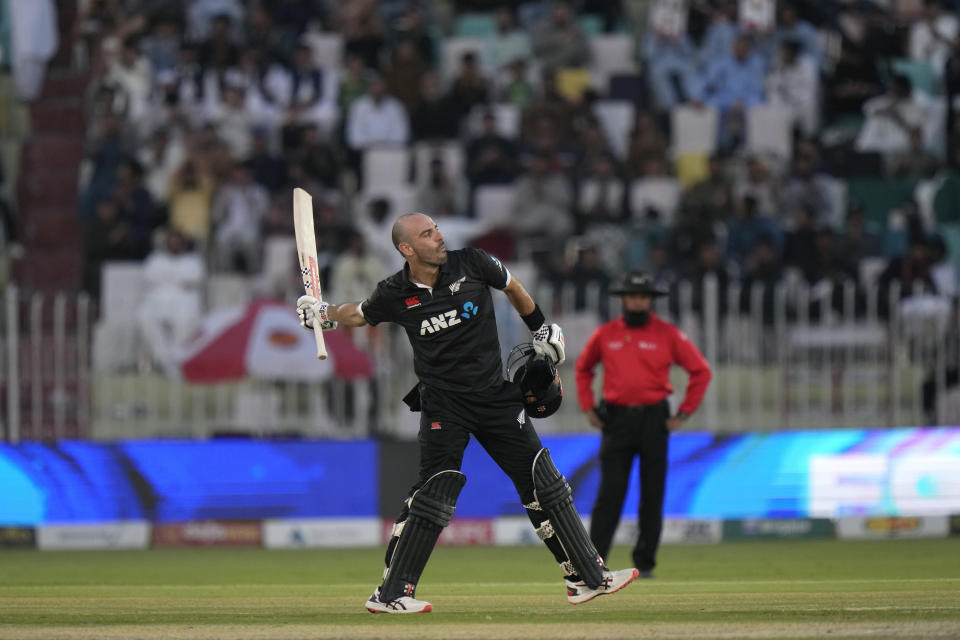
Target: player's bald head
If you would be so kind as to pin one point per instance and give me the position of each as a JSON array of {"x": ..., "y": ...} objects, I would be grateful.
[{"x": 403, "y": 225}]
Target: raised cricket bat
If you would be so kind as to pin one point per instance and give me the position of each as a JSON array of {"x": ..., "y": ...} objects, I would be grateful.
[{"x": 307, "y": 252}]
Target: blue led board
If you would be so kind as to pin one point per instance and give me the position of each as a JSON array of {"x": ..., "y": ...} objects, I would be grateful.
[
  {"x": 168, "y": 481},
  {"x": 776, "y": 475}
]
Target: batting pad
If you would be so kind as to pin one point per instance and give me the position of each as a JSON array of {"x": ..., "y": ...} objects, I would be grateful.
[
  {"x": 431, "y": 508},
  {"x": 555, "y": 499}
]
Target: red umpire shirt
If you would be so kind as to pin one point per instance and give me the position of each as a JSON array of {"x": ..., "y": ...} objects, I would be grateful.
[{"x": 636, "y": 364}]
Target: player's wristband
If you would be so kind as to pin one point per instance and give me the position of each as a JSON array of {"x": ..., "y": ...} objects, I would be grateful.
[{"x": 535, "y": 319}]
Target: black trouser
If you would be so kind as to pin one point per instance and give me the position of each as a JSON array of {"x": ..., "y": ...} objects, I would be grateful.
[
  {"x": 447, "y": 420},
  {"x": 628, "y": 432}
]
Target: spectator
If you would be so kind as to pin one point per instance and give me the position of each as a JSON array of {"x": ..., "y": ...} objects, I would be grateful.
[
  {"x": 106, "y": 237},
  {"x": 602, "y": 213},
  {"x": 217, "y": 52},
  {"x": 800, "y": 243},
  {"x": 491, "y": 158},
  {"x": 720, "y": 34},
  {"x": 170, "y": 312},
  {"x": 794, "y": 82},
  {"x": 376, "y": 119},
  {"x": 710, "y": 263},
  {"x": 405, "y": 74},
  {"x": 363, "y": 31},
  {"x": 709, "y": 201},
  {"x": 509, "y": 44},
  {"x": 191, "y": 191},
  {"x": 160, "y": 160},
  {"x": 239, "y": 209},
  {"x": 354, "y": 82},
  {"x": 356, "y": 271},
  {"x": 744, "y": 230},
  {"x": 541, "y": 208},
  {"x": 891, "y": 119},
  {"x": 588, "y": 280},
  {"x": 791, "y": 28},
  {"x": 442, "y": 194},
  {"x": 434, "y": 118},
  {"x": 267, "y": 167},
  {"x": 517, "y": 90},
  {"x": 234, "y": 123},
  {"x": 763, "y": 272},
  {"x": 933, "y": 38},
  {"x": 808, "y": 188},
  {"x": 306, "y": 93},
  {"x": 469, "y": 87},
  {"x": 136, "y": 206},
  {"x": 131, "y": 73},
  {"x": 733, "y": 84},
  {"x": 671, "y": 62},
  {"x": 648, "y": 147},
  {"x": 162, "y": 45},
  {"x": 551, "y": 104},
  {"x": 375, "y": 223},
  {"x": 318, "y": 157},
  {"x": 855, "y": 80},
  {"x": 203, "y": 14},
  {"x": 759, "y": 184},
  {"x": 857, "y": 242},
  {"x": 558, "y": 42}
]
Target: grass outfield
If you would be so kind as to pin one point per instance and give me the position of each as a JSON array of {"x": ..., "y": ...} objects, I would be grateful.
[{"x": 803, "y": 589}]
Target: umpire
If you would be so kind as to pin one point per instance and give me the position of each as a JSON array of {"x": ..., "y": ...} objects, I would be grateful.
[{"x": 637, "y": 350}]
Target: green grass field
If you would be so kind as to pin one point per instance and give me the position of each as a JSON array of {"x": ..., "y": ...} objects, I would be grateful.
[{"x": 836, "y": 589}]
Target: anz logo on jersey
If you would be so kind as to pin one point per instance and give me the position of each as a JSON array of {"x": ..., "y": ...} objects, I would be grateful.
[{"x": 448, "y": 319}]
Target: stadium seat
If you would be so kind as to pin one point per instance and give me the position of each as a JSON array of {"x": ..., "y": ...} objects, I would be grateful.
[
  {"x": 611, "y": 54},
  {"x": 327, "y": 49},
  {"x": 694, "y": 129},
  {"x": 452, "y": 52},
  {"x": 423, "y": 152},
  {"x": 494, "y": 204},
  {"x": 691, "y": 168},
  {"x": 121, "y": 290},
  {"x": 507, "y": 116},
  {"x": 661, "y": 194},
  {"x": 769, "y": 130},
  {"x": 226, "y": 290},
  {"x": 591, "y": 25},
  {"x": 572, "y": 82},
  {"x": 115, "y": 342},
  {"x": 386, "y": 166},
  {"x": 475, "y": 25},
  {"x": 616, "y": 118},
  {"x": 627, "y": 86},
  {"x": 403, "y": 199}
]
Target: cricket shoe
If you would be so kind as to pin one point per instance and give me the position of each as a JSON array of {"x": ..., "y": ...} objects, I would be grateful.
[
  {"x": 578, "y": 592},
  {"x": 403, "y": 604}
]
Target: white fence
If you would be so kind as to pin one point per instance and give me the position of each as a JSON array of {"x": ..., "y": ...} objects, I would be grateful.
[{"x": 784, "y": 357}]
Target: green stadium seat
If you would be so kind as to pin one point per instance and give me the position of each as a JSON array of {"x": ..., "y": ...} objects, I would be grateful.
[
  {"x": 879, "y": 195},
  {"x": 475, "y": 25},
  {"x": 591, "y": 24},
  {"x": 920, "y": 72}
]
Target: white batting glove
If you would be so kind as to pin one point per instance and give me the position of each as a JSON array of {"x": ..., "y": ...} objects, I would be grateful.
[
  {"x": 548, "y": 341},
  {"x": 310, "y": 309}
]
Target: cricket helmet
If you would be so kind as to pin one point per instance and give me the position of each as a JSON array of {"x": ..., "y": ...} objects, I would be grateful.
[{"x": 537, "y": 377}]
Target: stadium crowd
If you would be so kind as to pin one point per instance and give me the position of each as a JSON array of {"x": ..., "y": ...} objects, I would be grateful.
[{"x": 204, "y": 114}]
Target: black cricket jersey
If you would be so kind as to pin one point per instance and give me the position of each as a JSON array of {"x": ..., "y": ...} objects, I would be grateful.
[{"x": 452, "y": 327}]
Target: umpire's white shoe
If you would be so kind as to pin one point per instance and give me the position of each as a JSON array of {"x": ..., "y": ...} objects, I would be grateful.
[
  {"x": 403, "y": 604},
  {"x": 578, "y": 592}
]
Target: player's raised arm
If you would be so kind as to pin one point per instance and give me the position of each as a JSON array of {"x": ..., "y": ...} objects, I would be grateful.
[{"x": 547, "y": 338}]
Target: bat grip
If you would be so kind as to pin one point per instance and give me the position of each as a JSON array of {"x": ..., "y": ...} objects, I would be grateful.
[{"x": 321, "y": 346}]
